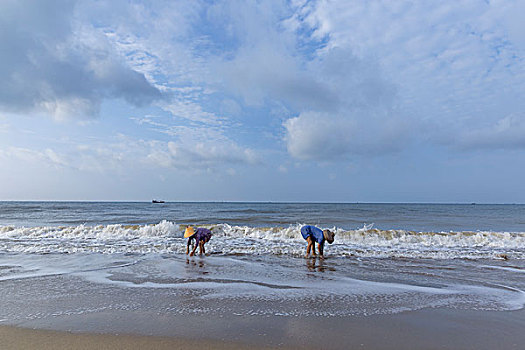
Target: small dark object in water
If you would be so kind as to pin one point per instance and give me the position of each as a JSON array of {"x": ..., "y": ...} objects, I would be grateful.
[{"x": 157, "y": 201}]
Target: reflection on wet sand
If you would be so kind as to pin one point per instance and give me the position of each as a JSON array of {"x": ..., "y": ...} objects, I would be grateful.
[
  {"x": 314, "y": 266},
  {"x": 195, "y": 266}
]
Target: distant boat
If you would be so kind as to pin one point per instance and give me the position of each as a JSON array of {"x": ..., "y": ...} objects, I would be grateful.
[{"x": 157, "y": 201}]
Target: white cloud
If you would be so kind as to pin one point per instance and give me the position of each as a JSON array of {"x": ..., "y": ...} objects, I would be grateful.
[
  {"x": 203, "y": 153},
  {"x": 54, "y": 157},
  {"x": 63, "y": 109},
  {"x": 191, "y": 153},
  {"x": 53, "y": 64},
  {"x": 48, "y": 157},
  {"x": 189, "y": 110},
  {"x": 506, "y": 133},
  {"x": 361, "y": 118},
  {"x": 325, "y": 137},
  {"x": 261, "y": 74},
  {"x": 334, "y": 78},
  {"x": 332, "y": 92},
  {"x": 196, "y": 153},
  {"x": 454, "y": 65}
]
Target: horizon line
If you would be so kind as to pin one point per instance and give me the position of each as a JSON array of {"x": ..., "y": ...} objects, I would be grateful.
[{"x": 255, "y": 202}]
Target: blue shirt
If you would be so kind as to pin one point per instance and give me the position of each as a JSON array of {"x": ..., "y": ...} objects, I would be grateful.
[{"x": 314, "y": 232}]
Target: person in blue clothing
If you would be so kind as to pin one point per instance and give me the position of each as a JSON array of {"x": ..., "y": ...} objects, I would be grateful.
[
  {"x": 201, "y": 237},
  {"x": 313, "y": 234}
]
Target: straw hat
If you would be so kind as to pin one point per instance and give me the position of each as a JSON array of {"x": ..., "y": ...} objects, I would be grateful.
[
  {"x": 189, "y": 232},
  {"x": 329, "y": 236}
]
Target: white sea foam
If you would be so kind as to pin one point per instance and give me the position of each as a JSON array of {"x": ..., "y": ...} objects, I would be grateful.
[{"x": 166, "y": 237}]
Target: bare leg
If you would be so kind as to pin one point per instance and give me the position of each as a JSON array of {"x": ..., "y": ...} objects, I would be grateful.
[
  {"x": 313, "y": 248},
  {"x": 201, "y": 247},
  {"x": 309, "y": 247},
  {"x": 321, "y": 250},
  {"x": 193, "y": 251},
  {"x": 188, "y": 246}
]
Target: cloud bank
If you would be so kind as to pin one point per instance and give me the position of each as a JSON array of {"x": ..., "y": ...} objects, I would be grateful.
[
  {"x": 52, "y": 64},
  {"x": 309, "y": 80}
]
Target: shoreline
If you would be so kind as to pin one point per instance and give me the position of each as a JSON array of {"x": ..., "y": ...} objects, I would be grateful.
[{"x": 421, "y": 329}]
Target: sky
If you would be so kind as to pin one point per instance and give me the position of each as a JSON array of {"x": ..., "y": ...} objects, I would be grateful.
[{"x": 316, "y": 101}]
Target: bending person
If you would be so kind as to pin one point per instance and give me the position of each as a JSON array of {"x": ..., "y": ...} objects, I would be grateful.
[
  {"x": 313, "y": 234},
  {"x": 201, "y": 237}
]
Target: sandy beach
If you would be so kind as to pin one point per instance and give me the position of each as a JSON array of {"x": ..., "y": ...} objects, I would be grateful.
[
  {"x": 21, "y": 338},
  {"x": 425, "y": 329}
]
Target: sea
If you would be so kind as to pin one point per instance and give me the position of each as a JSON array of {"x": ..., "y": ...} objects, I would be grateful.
[
  {"x": 62, "y": 263},
  {"x": 428, "y": 231}
]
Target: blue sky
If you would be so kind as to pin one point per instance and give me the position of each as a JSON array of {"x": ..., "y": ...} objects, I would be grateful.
[{"x": 369, "y": 101}]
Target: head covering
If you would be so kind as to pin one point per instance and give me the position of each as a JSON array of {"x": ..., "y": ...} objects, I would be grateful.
[
  {"x": 329, "y": 236},
  {"x": 189, "y": 232}
]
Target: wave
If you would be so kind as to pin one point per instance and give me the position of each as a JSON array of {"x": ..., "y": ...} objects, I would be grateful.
[{"x": 166, "y": 237}]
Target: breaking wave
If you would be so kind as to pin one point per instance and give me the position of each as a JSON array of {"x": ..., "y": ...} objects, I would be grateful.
[{"x": 166, "y": 237}]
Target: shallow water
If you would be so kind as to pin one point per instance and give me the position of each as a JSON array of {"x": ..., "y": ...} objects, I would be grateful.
[{"x": 43, "y": 287}]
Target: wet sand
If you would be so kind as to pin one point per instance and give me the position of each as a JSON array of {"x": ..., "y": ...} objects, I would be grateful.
[
  {"x": 22, "y": 338},
  {"x": 423, "y": 329}
]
